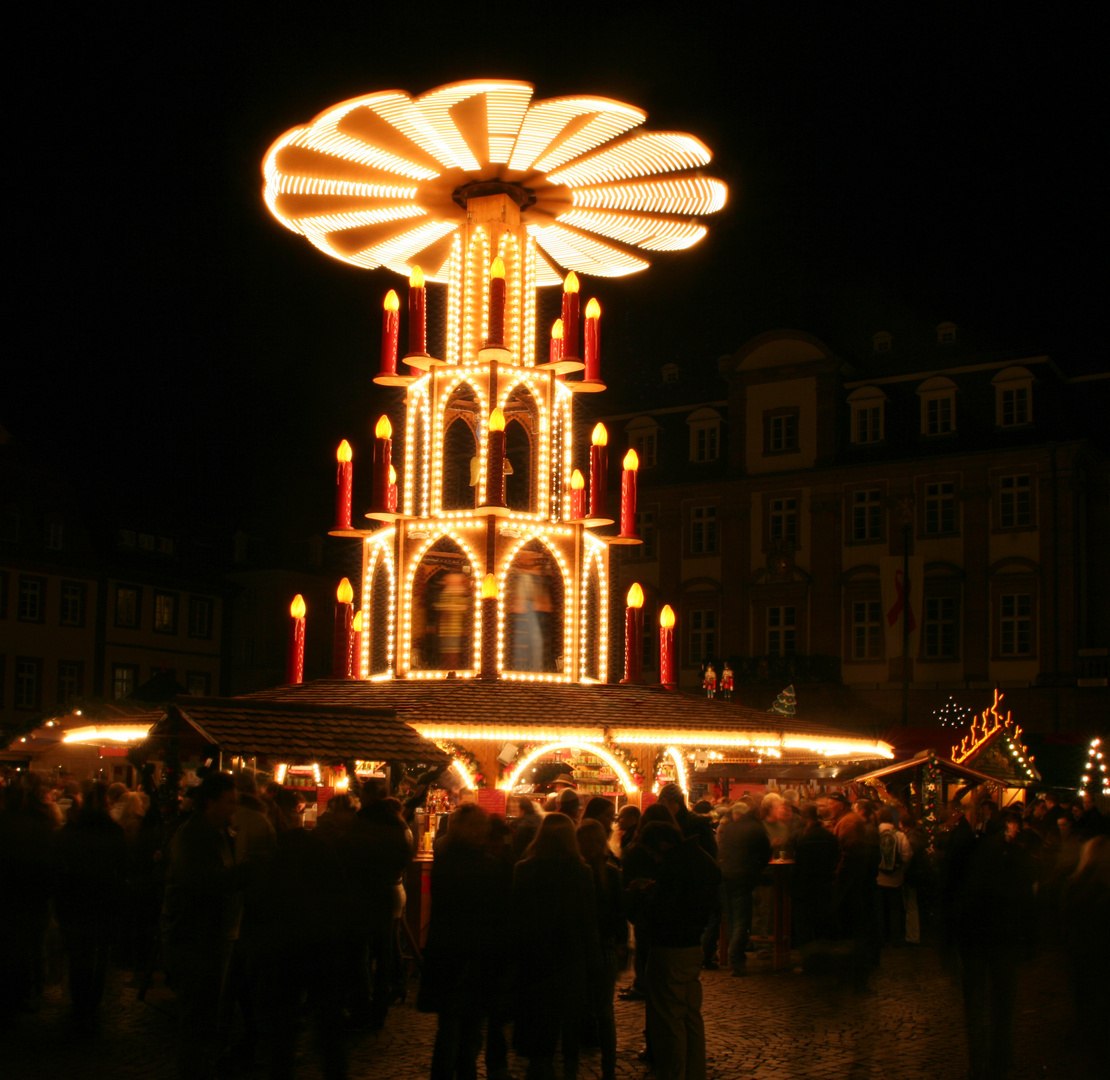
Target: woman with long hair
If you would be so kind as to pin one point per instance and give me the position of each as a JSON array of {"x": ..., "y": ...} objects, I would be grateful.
[{"x": 554, "y": 920}]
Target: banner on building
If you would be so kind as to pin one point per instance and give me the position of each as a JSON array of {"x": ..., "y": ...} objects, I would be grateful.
[{"x": 901, "y": 601}]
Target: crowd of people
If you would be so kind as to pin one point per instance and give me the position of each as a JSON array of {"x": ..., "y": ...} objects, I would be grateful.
[{"x": 534, "y": 916}]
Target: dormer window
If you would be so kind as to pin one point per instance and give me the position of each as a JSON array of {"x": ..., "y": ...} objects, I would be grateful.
[
  {"x": 868, "y": 406},
  {"x": 938, "y": 406},
  {"x": 946, "y": 333},
  {"x": 882, "y": 341},
  {"x": 643, "y": 437},
  {"x": 1013, "y": 397},
  {"x": 705, "y": 435},
  {"x": 671, "y": 373}
]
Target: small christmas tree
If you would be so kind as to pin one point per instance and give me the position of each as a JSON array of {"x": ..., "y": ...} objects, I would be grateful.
[
  {"x": 952, "y": 714},
  {"x": 785, "y": 703}
]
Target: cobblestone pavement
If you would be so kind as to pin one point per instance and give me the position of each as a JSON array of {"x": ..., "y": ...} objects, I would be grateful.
[{"x": 765, "y": 1027}]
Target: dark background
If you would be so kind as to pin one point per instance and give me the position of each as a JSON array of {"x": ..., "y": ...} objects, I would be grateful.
[{"x": 178, "y": 351}]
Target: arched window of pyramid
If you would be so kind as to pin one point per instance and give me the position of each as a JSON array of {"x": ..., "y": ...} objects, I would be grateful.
[
  {"x": 534, "y": 608},
  {"x": 522, "y": 437},
  {"x": 442, "y": 609}
]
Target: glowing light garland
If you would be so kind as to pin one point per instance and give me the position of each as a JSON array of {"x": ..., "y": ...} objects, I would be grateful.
[{"x": 581, "y": 746}]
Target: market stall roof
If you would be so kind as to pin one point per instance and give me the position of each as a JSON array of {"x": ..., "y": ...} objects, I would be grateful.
[
  {"x": 511, "y": 711},
  {"x": 945, "y": 764},
  {"x": 300, "y": 730}
]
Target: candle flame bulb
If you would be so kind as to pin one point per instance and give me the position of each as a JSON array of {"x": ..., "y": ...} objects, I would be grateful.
[
  {"x": 489, "y": 587},
  {"x": 345, "y": 594},
  {"x": 600, "y": 436},
  {"x": 356, "y": 626},
  {"x": 391, "y": 302},
  {"x": 343, "y": 453},
  {"x": 497, "y": 270},
  {"x": 593, "y": 310},
  {"x": 383, "y": 429},
  {"x": 632, "y": 460},
  {"x": 392, "y": 475},
  {"x": 666, "y": 617},
  {"x": 497, "y": 420},
  {"x": 557, "y": 329},
  {"x": 571, "y": 283},
  {"x": 635, "y": 596},
  {"x": 416, "y": 278},
  {"x": 577, "y": 481},
  {"x": 297, "y": 608}
]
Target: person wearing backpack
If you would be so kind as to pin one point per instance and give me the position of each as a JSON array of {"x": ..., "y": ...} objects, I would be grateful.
[{"x": 895, "y": 854}]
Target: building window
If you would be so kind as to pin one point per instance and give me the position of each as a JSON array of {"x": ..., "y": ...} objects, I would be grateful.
[
  {"x": 645, "y": 525},
  {"x": 28, "y": 682},
  {"x": 940, "y": 508},
  {"x": 780, "y": 431},
  {"x": 703, "y": 530},
  {"x": 127, "y": 537},
  {"x": 31, "y": 606},
  {"x": 782, "y": 521},
  {"x": 146, "y": 542},
  {"x": 71, "y": 610},
  {"x": 1016, "y": 625},
  {"x": 128, "y": 598},
  {"x": 671, "y": 373},
  {"x": 882, "y": 341},
  {"x": 940, "y": 640},
  {"x": 940, "y": 415},
  {"x": 198, "y": 683},
  {"x": 200, "y": 617},
  {"x": 644, "y": 443},
  {"x": 165, "y": 545},
  {"x": 125, "y": 678},
  {"x": 1013, "y": 397},
  {"x": 1015, "y": 502},
  {"x": 867, "y": 630},
  {"x": 165, "y": 613},
  {"x": 867, "y": 515},
  {"x": 705, "y": 434},
  {"x": 703, "y": 635},
  {"x": 946, "y": 333},
  {"x": 71, "y": 680},
  {"x": 782, "y": 630},
  {"x": 868, "y": 424},
  {"x": 55, "y": 536}
]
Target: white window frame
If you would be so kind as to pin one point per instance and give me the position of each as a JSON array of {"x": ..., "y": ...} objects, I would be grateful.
[
  {"x": 782, "y": 630},
  {"x": 643, "y": 437},
  {"x": 1010, "y": 489},
  {"x": 938, "y": 392},
  {"x": 705, "y": 435},
  {"x": 867, "y": 630},
  {"x": 1014, "y": 381},
  {"x": 702, "y": 639},
  {"x": 1014, "y": 621},
  {"x": 708, "y": 542},
  {"x": 868, "y": 405}
]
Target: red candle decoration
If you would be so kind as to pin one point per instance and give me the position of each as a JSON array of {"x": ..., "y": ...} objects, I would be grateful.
[
  {"x": 495, "y": 459},
  {"x": 634, "y": 635},
  {"x": 599, "y": 479},
  {"x": 344, "y": 617},
  {"x": 591, "y": 359},
  {"x": 383, "y": 450},
  {"x": 666, "y": 648},
  {"x": 496, "y": 338},
  {"x": 294, "y": 665},
  {"x": 577, "y": 496},
  {"x": 628, "y": 495},
  {"x": 418, "y": 338},
  {"x": 392, "y": 501},
  {"x": 488, "y": 669},
  {"x": 343, "y": 479},
  {"x": 391, "y": 324},
  {"x": 556, "y": 353},
  {"x": 356, "y": 646},
  {"x": 570, "y": 317}
]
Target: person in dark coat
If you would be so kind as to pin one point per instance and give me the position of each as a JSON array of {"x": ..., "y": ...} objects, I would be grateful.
[
  {"x": 612, "y": 926},
  {"x": 743, "y": 852},
  {"x": 554, "y": 932},
  {"x": 91, "y": 862},
  {"x": 638, "y": 865},
  {"x": 678, "y": 906},
  {"x": 816, "y": 855}
]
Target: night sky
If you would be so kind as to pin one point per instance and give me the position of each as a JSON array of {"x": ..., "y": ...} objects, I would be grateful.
[{"x": 177, "y": 350}]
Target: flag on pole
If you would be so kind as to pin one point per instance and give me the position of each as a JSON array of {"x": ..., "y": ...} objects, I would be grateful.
[
  {"x": 785, "y": 703},
  {"x": 901, "y": 600}
]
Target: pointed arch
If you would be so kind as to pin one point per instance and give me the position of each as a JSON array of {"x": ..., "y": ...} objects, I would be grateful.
[
  {"x": 527, "y": 446},
  {"x": 461, "y": 630},
  {"x": 417, "y": 447},
  {"x": 535, "y": 628},
  {"x": 379, "y": 604},
  {"x": 591, "y": 624},
  {"x": 450, "y": 397}
]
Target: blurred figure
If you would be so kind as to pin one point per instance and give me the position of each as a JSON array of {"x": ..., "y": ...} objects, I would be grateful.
[
  {"x": 554, "y": 932},
  {"x": 612, "y": 929},
  {"x": 603, "y": 811},
  {"x": 464, "y": 961},
  {"x": 628, "y": 820},
  {"x": 744, "y": 850},
  {"x": 815, "y": 860},
  {"x": 525, "y": 602},
  {"x": 453, "y": 605},
  {"x": 567, "y": 803},
  {"x": 678, "y": 908},
  {"x": 895, "y": 855},
  {"x": 117, "y": 802},
  {"x": 91, "y": 860},
  {"x": 851, "y": 889},
  {"x": 524, "y": 826},
  {"x": 200, "y": 919},
  {"x": 671, "y": 796},
  {"x": 638, "y": 871}
]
